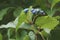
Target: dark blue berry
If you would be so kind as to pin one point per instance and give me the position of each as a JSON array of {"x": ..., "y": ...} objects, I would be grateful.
[
  {"x": 33, "y": 11},
  {"x": 26, "y": 10},
  {"x": 42, "y": 12},
  {"x": 37, "y": 9}
]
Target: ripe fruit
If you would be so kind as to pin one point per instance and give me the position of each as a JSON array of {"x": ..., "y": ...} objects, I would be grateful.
[
  {"x": 35, "y": 11},
  {"x": 26, "y": 10},
  {"x": 42, "y": 12}
]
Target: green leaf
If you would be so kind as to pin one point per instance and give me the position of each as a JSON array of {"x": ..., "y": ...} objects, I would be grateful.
[
  {"x": 29, "y": 15},
  {"x": 47, "y": 22},
  {"x": 0, "y": 36},
  {"x": 54, "y": 3},
  {"x": 50, "y": 12},
  {"x": 22, "y": 34},
  {"x": 46, "y": 32},
  {"x": 57, "y": 17},
  {"x": 55, "y": 34},
  {"x": 28, "y": 27},
  {"x": 11, "y": 33},
  {"x": 3, "y": 12},
  {"x": 21, "y": 19},
  {"x": 32, "y": 35},
  {"x": 26, "y": 37},
  {"x": 25, "y": 26}
]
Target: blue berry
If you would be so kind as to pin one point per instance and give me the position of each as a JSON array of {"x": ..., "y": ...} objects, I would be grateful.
[
  {"x": 33, "y": 11},
  {"x": 37, "y": 9},
  {"x": 26, "y": 10},
  {"x": 42, "y": 12}
]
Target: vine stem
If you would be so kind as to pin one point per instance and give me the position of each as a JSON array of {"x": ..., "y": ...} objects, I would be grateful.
[
  {"x": 36, "y": 37},
  {"x": 42, "y": 36},
  {"x": 16, "y": 34},
  {"x": 8, "y": 33}
]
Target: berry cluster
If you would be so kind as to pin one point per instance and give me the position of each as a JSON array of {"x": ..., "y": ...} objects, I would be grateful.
[{"x": 35, "y": 11}]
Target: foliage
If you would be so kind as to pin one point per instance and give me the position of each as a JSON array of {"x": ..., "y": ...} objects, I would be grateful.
[{"x": 33, "y": 23}]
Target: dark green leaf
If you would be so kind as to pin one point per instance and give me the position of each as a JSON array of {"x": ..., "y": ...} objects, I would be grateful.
[
  {"x": 50, "y": 12},
  {"x": 22, "y": 35},
  {"x": 3, "y": 12},
  {"x": 55, "y": 34},
  {"x": 17, "y": 11},
  {"x": 41, "y": 3},
  {"x": 26, "y": 37},
  {"x": 32, "y": 35},
  {"x": 53, "y": 3}
]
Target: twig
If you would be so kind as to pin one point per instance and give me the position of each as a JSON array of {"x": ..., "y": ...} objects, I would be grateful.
[{"x": 42, "y": 36}]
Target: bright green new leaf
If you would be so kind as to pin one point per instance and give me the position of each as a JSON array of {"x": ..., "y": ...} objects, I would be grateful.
[
  {"x": 57, "y": 17},
  {"x": 29, "y": 15},
  {"x": 47, "y": 22},
  {"x": 21, "y": 19}
]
